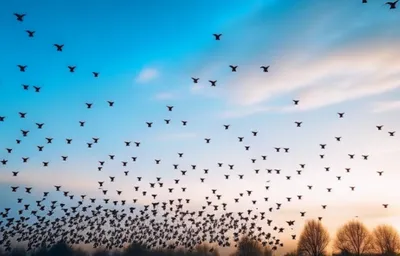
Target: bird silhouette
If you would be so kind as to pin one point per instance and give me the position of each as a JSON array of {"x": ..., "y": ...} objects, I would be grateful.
[
  {"x": 22, "y": 68},
  {"x": 217, "y": 36},
  {"x": 234, "y": 68},
  {"x": 392, "y": 4},
  {"x": 31, "y": 33},
  {"x": 213, "y": 82},
  {"x": 59, "y": 47},
  {"x": 72, "y": 69},
  {"x": 20, "y": 16}
]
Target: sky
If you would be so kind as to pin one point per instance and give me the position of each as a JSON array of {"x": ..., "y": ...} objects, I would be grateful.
[{"x": 333, "y": 56}]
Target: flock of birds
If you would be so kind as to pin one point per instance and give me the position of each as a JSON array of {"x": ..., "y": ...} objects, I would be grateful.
[{"x": 101, "y": 221}]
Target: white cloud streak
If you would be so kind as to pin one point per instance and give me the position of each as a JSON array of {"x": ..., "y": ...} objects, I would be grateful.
[
  {"x": 146, "y": 75},
  {"x": 341, "y": 59},
  {"x": 165, "y": 96},
  {"x": 385, "y": 106}
]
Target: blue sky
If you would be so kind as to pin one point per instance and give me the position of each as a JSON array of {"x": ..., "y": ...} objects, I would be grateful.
[{"x": 334, "y": 56}]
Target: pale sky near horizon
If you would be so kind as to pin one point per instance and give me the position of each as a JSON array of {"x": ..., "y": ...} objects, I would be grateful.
[{"x": 334, "y": 56}]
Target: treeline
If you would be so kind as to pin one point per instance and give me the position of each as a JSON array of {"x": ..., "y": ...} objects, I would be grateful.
[
  {"x": 353, "y": 238},
  {"x": 245, "y": 246},
  {"x": 134, "y": 249}
]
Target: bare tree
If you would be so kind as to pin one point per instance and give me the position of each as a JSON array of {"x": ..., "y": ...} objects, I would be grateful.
[
  {"x": 249, "y": 247},
  {"x": 268, "y": 251},
  {"x": 386, "y": 239},
  {"x": 292, "y": 253},
  {"x": 100, "y": 252},
  {"x": 313, "y": 239},
  {"x": 206, "y": 250},
  {"x": 354, "y": 237}
]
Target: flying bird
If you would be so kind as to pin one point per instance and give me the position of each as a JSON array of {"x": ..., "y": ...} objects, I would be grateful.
[
  {"x": 217, "y": 36},
  {"x": 59, "y": 47},
  {"x": 22, "y": 68},
  {"x": 31, "y": 33},
  {"x": 213, "y": 82},
  {"x": 71, "y": 69},
  {"x": 20, "y": 16},
  {"x": 234, "y": 68},
  {"x": 392, "y": 4}
]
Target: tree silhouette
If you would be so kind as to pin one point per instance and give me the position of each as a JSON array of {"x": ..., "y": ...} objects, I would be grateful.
[
  {"x": 134, "y": 249},
  {"x": 205, "y": 250},
  {"x": 353, "y": 237},
  {"x": 42, "y": 251},
  {"x": 61, "y": 249},
  {"x": 100, "y": 252},
  {"x": 386, "y": 240},
  {"x": 292, "y": 253},
  {"x": 248, "y": 247},
  {"x": 18, "y": 252},
  {"x": 267, "y": 251},
  {"x": 313, "y": 239}
]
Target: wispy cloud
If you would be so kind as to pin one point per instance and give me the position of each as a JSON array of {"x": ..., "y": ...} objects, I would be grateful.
[
  {"x": 359, "y": 61},
  {"x": 66, "y": 179},
  {"x": 196, "y": 88},
  {"x": 243, "y": 112},
  {"x": 146, "y": 75},
  {"x": 176, "y": 136},
  {"x": 165, "y": 96},
  {"x": 385, "y": 106}
]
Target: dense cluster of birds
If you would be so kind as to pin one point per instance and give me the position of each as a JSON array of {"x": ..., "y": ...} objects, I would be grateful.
[{"x": 170, "y": 224}]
